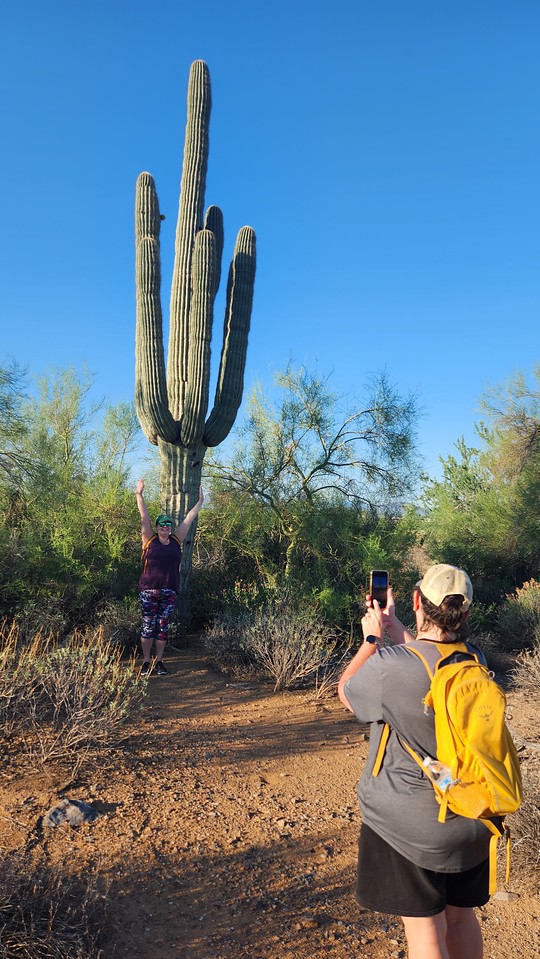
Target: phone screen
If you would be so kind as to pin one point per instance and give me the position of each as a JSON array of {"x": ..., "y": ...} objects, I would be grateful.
[{"x": 378, "y": 586}]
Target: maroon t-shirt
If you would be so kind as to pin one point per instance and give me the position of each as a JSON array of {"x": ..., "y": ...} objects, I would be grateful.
[{"x": 161, "y": 569}]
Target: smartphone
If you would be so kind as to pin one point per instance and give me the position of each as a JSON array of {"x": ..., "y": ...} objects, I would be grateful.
[{"x": 378, "y": 586}]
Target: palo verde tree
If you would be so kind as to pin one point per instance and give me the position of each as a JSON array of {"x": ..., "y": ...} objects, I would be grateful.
[
  {"x": 66, "y": 503},
  {"x": 14, "y": 462},
  {"x": 300, "y": 456},
  {"x": 484, "y": 511},
  {"x": 172, "y": 406}
]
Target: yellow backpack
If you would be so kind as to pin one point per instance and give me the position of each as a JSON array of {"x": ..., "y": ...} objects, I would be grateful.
[{"x": 476, "y": 770}]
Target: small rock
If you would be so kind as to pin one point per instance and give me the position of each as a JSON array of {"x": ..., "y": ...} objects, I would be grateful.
[
  {"x": 503, "y": 896},
  {"x": 71, "y": 811}
]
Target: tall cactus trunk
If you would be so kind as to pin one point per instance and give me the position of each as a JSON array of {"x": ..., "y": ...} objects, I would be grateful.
[
  {"x": 180, "y": 479},
  {"x": 172, "y": 407}
]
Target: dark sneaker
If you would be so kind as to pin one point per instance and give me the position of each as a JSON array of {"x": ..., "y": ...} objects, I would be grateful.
[
  {"x": 160, "y": 669},
  {"x": 146, "y": 669}
]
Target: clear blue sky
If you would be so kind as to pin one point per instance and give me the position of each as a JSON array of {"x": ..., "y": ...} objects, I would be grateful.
[{"x": 387, "y": 155}]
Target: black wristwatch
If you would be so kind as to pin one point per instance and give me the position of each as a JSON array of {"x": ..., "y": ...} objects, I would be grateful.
[{"x": 373, "y": 640}]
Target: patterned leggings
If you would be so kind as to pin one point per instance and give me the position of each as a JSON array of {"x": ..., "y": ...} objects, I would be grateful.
[{"x": 157, "y": 606}]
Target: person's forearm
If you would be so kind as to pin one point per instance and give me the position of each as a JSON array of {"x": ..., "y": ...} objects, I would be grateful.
[
  {"x": 189, "y": 517},
  {"x": 141, "y": 505},
  {"x": 183, "y": 529}
]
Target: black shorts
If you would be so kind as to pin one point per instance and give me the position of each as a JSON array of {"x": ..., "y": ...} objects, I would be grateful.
[{"x": 387, "y": 882}]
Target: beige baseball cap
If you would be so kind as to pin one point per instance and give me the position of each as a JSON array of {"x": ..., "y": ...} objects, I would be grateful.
[{"x": 443, "y": 580}]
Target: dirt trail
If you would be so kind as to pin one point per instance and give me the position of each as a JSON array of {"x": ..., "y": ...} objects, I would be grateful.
[{"x": 229, "y": 830}]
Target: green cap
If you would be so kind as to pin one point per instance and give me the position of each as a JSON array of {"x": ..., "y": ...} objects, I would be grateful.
[{"x": 164, "y": 520}]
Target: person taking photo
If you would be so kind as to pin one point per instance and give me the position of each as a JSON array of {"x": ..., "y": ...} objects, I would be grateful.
[{"x": 431, "y": 874}]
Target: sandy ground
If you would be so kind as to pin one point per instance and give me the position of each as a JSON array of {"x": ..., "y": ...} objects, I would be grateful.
[{"x": 229, "y": 827}]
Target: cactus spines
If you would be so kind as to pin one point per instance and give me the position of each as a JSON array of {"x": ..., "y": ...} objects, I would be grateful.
[{"x": 172, "y": 404}]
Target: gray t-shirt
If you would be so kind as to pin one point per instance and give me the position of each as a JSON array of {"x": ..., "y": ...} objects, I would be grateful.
[{"x": 399, "y": 804}]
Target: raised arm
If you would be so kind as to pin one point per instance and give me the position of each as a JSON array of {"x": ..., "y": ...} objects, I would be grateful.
[
  {"x": 397, "y": 632},
  {"x": 146, "y": 526},
  {"x": 181, "y": 532},
  {"x": 375, "y": 622},
  {"x": 372, "y": 626}
]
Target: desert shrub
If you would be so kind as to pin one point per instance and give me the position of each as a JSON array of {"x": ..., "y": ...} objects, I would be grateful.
[
  {"x": 278, "y": 641},
  {"x": 518, "y": 622},
  {"x": 47, "y": 915},
  {"x": 287, "y": 644},
  {"x": 120, "y": 621},
  {"x": 39, "y": 616},
  {"x": 224, "y": 642},
  {"x": 328, "y": 674},
  {"x": 525, "y": 824},
  {"x": 526, "y": 675},
  {"x": 66, "y": 700}
]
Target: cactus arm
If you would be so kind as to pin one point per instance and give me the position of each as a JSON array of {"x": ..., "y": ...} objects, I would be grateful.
[
  {"x": 214, "y": 221},
  {"x": 201, "y": 313},
  {"x": 235, "y": 338},
  {"x": 150, "y": 385},
  {"x": 190, "y": 216}
]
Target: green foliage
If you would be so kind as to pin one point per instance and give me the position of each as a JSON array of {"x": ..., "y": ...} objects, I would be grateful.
[
  {"x": 485, "y": 512},
  {"x": 306, "y": 502},
  {"x": 241, "y": 557},
  {"x": 458, "y": 513},
  {"x": 308, "y": 448},
  {"x": 69, "y": 538},
  {"x": 312, "y": 480},
  {"x": 15, "y": 463},
  {"x": 334, "y": 606}
]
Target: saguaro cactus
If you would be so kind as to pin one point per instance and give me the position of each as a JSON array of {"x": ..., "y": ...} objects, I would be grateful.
[{"x": 172, "y": 405}]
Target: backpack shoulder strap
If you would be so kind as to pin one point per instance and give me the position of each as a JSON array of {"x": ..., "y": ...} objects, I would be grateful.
[
  {"x": 147, "y": 544},
  {"x": 429, "y": 655},
  {"x": 381, "y": 750},
  {"x": 434, "y": 655}
]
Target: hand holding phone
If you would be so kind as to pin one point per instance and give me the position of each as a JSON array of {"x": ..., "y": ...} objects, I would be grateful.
[{"x": 378, "y": 586}]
